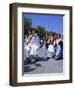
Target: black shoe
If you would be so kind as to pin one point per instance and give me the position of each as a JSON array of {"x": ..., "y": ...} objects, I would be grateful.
[{"x": 47, "y": 58}]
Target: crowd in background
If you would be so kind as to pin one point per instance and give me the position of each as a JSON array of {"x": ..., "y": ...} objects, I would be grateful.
[{"x": 36, "y": 46}]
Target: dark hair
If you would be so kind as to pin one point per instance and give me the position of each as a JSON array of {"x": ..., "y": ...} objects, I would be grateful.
[
  {"x": 59, "y": 36},
  {"x": 61, "y": 44},
  {"x": 52, "y": 34}
]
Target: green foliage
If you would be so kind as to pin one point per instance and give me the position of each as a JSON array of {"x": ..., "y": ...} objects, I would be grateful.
[
  {"x": 41, "y": 31},
  {"x": 27, "y": 23}
]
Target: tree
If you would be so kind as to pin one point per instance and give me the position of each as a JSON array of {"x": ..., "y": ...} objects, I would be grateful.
[
  {"x": 41, "y": 31},
  {"x": 27, "y": 23}
]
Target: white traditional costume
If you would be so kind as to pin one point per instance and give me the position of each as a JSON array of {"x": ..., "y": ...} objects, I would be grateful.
[
  {"x": 51, "y": 49},
  {"x": 34, "y": 44},
  {"x": 27, "y": 46}
]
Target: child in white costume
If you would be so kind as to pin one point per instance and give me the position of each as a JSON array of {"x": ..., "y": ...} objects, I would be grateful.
[
  {"x": 51, "y": 49},
  {"x": 26, "y": 46},
  {"x": 34, "y": 44},
  {"x": 31, "y": 45}
]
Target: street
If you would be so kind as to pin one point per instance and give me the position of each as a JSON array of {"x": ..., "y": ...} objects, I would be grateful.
[{"x": 48, "y": 66}]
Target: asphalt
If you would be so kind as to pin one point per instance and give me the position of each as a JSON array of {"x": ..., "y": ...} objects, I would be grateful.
[{"x": 44, "y": 66}]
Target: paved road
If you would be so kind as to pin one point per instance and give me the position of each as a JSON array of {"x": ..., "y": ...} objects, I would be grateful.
[{"x": 50, "y": 66}]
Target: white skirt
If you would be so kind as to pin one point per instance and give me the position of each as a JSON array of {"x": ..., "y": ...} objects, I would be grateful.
[
  {"x": 27, "y": 48},
  {"x": 34, "y": 49},
  {"x": 51, "y": 49}
]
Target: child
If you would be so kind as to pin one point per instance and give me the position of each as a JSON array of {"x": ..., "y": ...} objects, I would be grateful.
[{"x": 59, "y": 53}]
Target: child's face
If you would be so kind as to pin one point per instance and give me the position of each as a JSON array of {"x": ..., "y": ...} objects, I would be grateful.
[
  {"x": 33, "y": 32},
  {"x": 29, "y": 32}
]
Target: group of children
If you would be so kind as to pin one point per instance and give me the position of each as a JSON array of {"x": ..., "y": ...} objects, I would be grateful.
[
  {"x": 55, "y": 47},
  {"x": 35, "y": 46}
]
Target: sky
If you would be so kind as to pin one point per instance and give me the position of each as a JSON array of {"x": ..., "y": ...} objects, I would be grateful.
[{"x": 52, "y": 23}]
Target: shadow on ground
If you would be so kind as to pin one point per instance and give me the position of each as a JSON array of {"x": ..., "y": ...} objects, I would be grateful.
[
  {"x": 29, "y": 68},
  {"x": 42, "y": 65}
]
